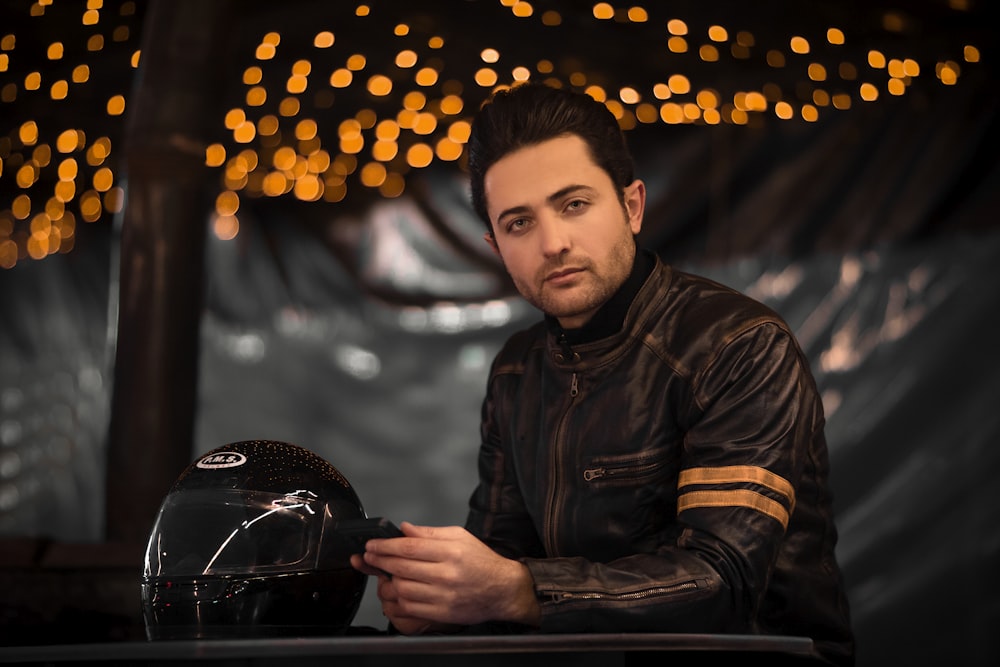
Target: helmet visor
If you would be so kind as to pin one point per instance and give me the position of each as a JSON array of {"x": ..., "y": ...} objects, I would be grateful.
[{"x": 204, "y": 532}]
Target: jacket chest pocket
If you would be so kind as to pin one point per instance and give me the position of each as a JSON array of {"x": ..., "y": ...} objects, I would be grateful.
[
  {"x": 628, "y": 469},
  {"x": 625, "y": 503}
]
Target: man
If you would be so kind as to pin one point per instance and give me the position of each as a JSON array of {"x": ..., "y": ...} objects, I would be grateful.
[{"x": 652, "y": 456}]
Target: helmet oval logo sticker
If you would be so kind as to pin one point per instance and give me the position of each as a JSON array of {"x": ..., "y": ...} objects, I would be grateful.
[{"x": 222, "y": 460}]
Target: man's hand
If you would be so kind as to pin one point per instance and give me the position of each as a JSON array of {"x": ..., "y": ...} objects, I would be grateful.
[{"x": 436, "y": 577}]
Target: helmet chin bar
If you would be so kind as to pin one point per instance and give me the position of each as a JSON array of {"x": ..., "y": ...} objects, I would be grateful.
[
  {"x": 279, "y": 605},
  {"x": 244, "y": 545}
]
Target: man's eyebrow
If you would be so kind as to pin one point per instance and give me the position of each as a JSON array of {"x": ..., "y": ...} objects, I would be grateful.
[
  {"x": 562, "y": 192},
  {"x": 551, "y": 199}
]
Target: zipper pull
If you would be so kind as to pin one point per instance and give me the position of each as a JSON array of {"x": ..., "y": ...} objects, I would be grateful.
[
  {"x": 593, "y": 473},
  {"x": 564, "y": 346},
  {"x": 573, "y": 389}
]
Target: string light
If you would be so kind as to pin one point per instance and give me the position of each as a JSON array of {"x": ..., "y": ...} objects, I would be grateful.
[{"x": 319, "y": 113}]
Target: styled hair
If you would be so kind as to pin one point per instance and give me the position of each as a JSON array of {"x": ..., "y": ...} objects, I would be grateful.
[{"x": 531, "y": 113}]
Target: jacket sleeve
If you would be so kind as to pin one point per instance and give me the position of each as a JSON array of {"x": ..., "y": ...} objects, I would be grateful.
[
  {"x": 497, "y": 512},
  {"x": 752, "y": 414}
]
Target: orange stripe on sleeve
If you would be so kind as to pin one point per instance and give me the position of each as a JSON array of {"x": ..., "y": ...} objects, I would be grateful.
[
  {"x": 734, "y": 498},
  {"x": 729, "y": 474}
]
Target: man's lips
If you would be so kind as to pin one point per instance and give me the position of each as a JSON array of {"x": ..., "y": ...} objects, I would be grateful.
[{"x": 562, "y": 275}]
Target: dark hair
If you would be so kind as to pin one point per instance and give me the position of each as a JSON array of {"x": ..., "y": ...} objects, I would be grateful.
[{"x": 531, "y": 113}]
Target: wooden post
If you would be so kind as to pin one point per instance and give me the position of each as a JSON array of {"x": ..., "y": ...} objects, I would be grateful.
[{"x": 173, "y": 107}]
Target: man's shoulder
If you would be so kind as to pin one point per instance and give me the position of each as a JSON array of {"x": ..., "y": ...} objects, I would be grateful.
[
  {"x": 519, "y": 345},
  {"x": 698, "y": 316},
  {"x": 699, "y": 298}
]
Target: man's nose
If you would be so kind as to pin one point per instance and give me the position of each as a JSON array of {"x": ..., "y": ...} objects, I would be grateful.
[{"x": 554, "y": 236}]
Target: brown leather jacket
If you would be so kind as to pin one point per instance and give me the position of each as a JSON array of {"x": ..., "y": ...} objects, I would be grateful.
[{"x": 671, "y": 477}]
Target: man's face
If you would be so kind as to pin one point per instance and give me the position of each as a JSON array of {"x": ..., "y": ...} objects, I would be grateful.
[{"x": 560, "y": 228}]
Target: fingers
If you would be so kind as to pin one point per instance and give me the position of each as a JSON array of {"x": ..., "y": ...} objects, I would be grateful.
[
  {"x": 414, "y": 530},
  {"x": 402, "y": 566},
  {"x": 420, "y": 544},
  {"x": 386, "y": 591},
  {"x": 403, "y": 613},
  {"x": 359, "y": 564},
  {"x": 429, "y": 543},
  {"x": 437, "y": 556},
  {"x": 434, "y": 532},
  {"x": 408, "y": 599},
  {"x": 407, "y": 604},
  {"x": 445, "y": 575}
]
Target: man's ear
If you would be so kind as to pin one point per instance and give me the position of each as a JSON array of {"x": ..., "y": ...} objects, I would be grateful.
[
  {"x": 635, "y": 204},
  {"x": 492, "y": 242}
]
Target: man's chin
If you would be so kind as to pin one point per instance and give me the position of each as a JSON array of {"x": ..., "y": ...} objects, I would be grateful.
[{"x": 564, "y": 312}]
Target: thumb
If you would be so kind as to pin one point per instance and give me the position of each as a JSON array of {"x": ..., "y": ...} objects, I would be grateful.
[
  {"x": 432, "y": 532},
  {"x": 414, "y": 530}
]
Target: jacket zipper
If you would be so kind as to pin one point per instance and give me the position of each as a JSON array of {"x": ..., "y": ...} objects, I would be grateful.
[
  {"x": 592, "y": 474},
  {"x": 570, "y": 596},
  {"x": 554, "y": 481}
]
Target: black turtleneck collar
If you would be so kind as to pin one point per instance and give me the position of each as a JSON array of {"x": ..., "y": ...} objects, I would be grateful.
[{"x": 610, "y": 317}]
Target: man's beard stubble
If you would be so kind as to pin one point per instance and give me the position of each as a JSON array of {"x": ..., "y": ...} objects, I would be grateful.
[{"x": 600, "y": 287}]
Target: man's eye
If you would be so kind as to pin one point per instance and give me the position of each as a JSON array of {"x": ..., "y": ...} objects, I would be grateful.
[
  {"x": 517, "y": 225},
  {"x": 576, "y": 205}
]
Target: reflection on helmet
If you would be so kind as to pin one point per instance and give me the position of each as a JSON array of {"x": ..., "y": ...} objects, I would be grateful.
[{"x": 244, "y": 546}]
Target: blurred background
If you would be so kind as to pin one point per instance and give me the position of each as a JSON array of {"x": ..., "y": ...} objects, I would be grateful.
[{"x": 249, "y": 219}]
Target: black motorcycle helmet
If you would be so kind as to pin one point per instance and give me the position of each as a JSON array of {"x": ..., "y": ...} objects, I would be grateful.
[{"x": 244, "y": 546}]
